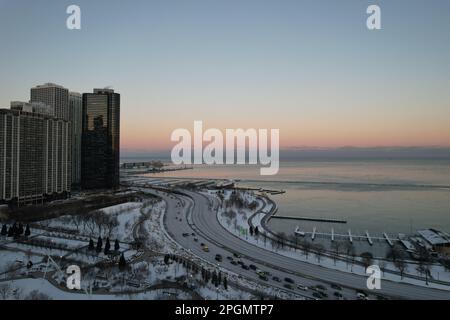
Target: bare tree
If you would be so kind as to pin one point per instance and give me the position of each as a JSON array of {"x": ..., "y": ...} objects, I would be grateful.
[
  {"x": 401, "y": 266},
  {"x": 282, "y": 237},
  {"x": 424, "y": 262},
  {"x": 348, "y": 247},
  {"x": 367, "y": 259},
  {"x": 306, "y": 247},
  {"x": 294, "y": 239},
  {"x": 5, "y": 291},
  {"x": 36, "y": 295},
  {"x": 111, "y": 224},
  {"x": 382, "y": 264},
  {"x": 76, "y": 221},
  {"x": 351, "y": 253},
  {"x": 319, "y": 250},
  {"x": 90, "y": 224},
  {"x": 102, "y": 221},
  {"x": 336, "y": 246},
  {"x": 17, "y": 294},
  {"x": 396, "y": 252}
]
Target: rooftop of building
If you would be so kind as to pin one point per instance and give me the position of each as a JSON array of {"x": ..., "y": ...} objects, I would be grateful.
[
  {"x": 104, "y": 90},
  {"x": 18, "y": 112},
  {"x": 49, "y": 85},
  {"x": 434, "y": 237}
]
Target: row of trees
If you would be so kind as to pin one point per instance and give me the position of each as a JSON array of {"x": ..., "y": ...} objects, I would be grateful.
[
  {"x": 396, "y": 254},
  {"x": 216, "y": 278},
  {"x": 237, "y": 200},
  {"x": 107, "y": 249},
  {"x": 95, "y": 222},
  {"x": 254, "y": 231},
  {"x": 16, "y": 230}
]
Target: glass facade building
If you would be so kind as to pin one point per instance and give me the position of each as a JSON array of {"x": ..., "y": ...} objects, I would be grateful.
[
  {"x": 100, "y": 140},
  {"x": 75, "y": 116}
]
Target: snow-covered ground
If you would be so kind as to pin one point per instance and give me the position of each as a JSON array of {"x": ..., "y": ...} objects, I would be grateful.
[
  {"x": 25, "y": 287},
  {"x": 127, "y": 215},
  {"x": 14, "y": 259}
]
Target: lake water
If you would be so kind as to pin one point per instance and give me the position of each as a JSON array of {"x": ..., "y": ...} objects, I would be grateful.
[{"x": 376, "y": 195}]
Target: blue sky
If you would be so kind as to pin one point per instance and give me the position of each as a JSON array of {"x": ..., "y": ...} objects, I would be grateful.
[{"x": 310, "y": 68}]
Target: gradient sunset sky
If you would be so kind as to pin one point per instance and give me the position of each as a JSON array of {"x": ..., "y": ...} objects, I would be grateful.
[{"x": 309, "y": 68}]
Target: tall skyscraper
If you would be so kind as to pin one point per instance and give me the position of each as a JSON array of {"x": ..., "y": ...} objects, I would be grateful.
[
  {"x": 75, "y": 117},
  {"x": 53, "y": 95},
  {"x": 34, "y": 157},
  {"x": 100, "y": 140}
]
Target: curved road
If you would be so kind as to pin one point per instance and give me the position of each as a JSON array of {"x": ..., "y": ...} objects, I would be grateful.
[{"x": 206, "y": 226}]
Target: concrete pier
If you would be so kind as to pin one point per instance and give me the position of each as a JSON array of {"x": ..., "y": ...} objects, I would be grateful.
[
  {"x": 387, "y": 239},
  {"x": 368, "y": 238}
]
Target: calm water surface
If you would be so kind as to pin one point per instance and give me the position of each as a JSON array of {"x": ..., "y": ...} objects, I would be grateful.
[{"x": 376, "y": 195}]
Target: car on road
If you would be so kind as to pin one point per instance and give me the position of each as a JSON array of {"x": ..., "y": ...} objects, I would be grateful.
[
  {"x": 236, "y": 255},
  {"x": 196, "y": 239},
  {"x": 252, "y": 266},
  {"x": 321, "y": 287},
  {"x": 287, "y": 286},
  {"x": 317, "y": 295},
  {"x": 230, "y": 258},
  {"x": 218, "y": 258},
  {"x": 276, "y": 279},
  {"x": 185, "y": 235},
  {"x": 361, "y": 296},
  {"x": 193, "y": 234},
  {"x": 336, "y": 287},
  {"x": 289, "y": 280},
  {"x": 337, "y": 294},
  {"x": 261, "y": 273},
  {"x": 263, "y": 277},
  {"x": 202, "y": 244},
  {"x": 245, "y": 267},
  {"x": 234, "y": 263},
  {"x": 205, "y": 248},
  {"x": 303, "y": 288},
  {"x": 323, "y": 294}
]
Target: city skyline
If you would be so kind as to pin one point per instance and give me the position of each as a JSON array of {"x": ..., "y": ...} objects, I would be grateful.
[
  {"x": 57, "y": 142},
  {"x": 312, "y": 70}
]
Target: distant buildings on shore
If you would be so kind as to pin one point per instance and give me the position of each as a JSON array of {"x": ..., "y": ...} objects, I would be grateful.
[{"x": 57, "y": 141}]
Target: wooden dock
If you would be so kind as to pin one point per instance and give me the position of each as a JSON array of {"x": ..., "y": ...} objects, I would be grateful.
[
  {"x": 310, "y": 219},
  {"x": 349, "y": 236}
]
